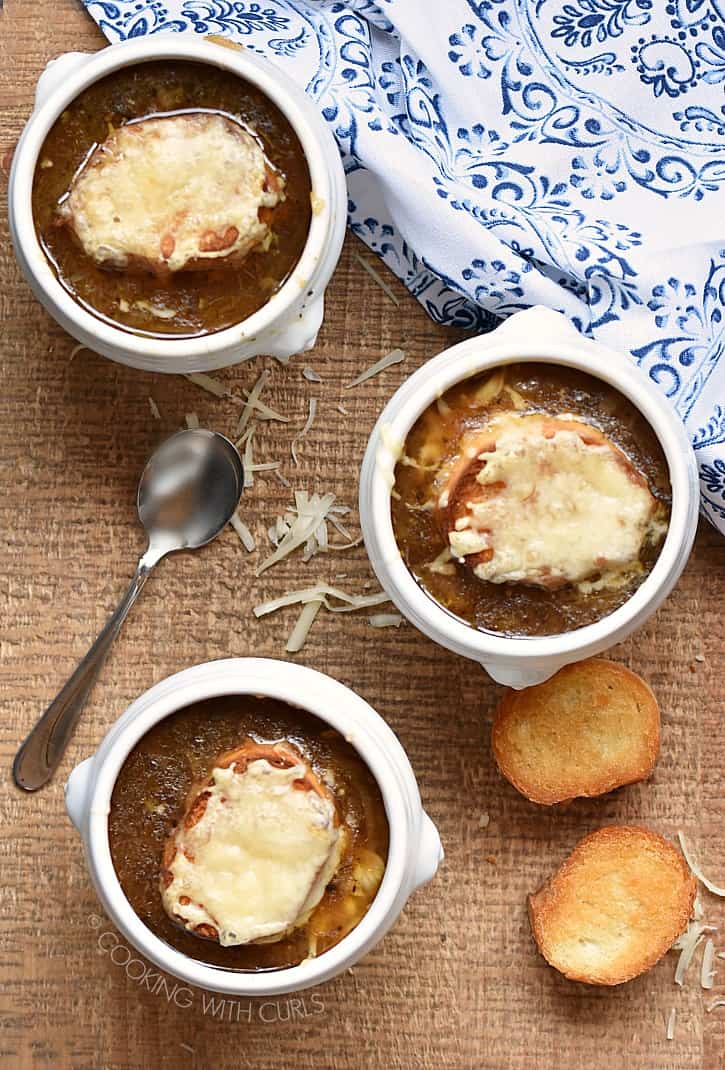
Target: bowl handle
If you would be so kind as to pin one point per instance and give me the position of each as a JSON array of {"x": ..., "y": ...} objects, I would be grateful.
[
  {"x": 299, "y": 334},
  {"x": 536, "y": 322},
  {"x": 76, "y": 792},
  {"x": 430, "y": 853},
  {"x": 520, "y": 676},
  {"x": 56, "y": 73}
]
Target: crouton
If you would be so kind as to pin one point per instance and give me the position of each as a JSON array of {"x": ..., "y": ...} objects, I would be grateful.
[
  {"x": 544, "y": 501},
  {"x": 614, "y": 907},
  {"x": 592, "y": 727},
  {"x": 255, "y": 848},
  {"x": 173, "y": 193}
]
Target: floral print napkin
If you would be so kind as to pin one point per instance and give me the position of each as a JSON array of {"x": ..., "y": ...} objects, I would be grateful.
[{"x": 506, "y": 153}]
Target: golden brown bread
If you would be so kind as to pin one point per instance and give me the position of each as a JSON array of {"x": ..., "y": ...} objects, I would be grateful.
[
  {"x": 614, "y": 907},
  {"x": 592, "y": 727}
]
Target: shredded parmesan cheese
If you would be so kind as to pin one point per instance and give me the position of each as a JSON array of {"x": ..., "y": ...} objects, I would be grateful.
[
  {"x": 378, "y": 278},
  {"x": 249, "y": 404},
  {"x": 245, "y": 535},
  {"x": 311, "y": 375},
  {"x": 707, "y": 973},
  {"x": 715, "y": 1003},
  {"x": 484, "y": 821},
  {"x": 248, "y": 463},
  {"x": 192, "y": 421},
  {"x": 307, "y": 425},
  {"x": 395, "y": 356},
  {"x": 341, "y": 408},
  {"x": 671, "y": 1024},
  {"x": 309, "y": 517},
  {"x": 714, "y": 888},
  {"x": 283, "y": 479},
  {"x": 265, "y": 412},
  {"x": 268, "y": 466},
  {"x": 301, "y": 629},
  {"x": 322, "y": 592},
  {"x": 687, "y": 944},
  {"x": 312, "y": 599},
  {"x": 154, "y": 409},
  {"x": 385, "y": 620},
  {"x": 76, "y": 350},
  {"x": 206, "y": 382},
  {"x": 306, "y": 525}
]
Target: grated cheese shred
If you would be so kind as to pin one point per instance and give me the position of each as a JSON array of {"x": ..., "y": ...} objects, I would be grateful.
[
  {"x": 154, "y": 409},
  {"x": 246, "y": 538},
  {"x": 707, "y": 973},
  {"x": 687, "y": 944},
  {"x": 711, "y": 887},
  {"x": 311, "y": 511},
  {"x": 322, "y": 592},
  {"x": 248, "y": 462},
  {"x": 301, "y": 434},
  {"x": 377, "y": 278},
  {"x": 671, "y": 1024},
  {"x": 299, "y": 633},
  {"x": 395, "y": 356},
  {"x": 249, "y": 404},
  {"x": 385, "y": 620},
  {"x": 312, "y": 599},
  {"x": 206, "y": 382}
]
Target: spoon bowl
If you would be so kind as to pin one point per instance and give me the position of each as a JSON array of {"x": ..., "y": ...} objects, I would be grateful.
[
  {"x": 187, "y": 494},
  {"x": 189, "y": 489}
]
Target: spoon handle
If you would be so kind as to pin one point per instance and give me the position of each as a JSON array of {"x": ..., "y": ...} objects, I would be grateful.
[{"x": 40, "y": 754}]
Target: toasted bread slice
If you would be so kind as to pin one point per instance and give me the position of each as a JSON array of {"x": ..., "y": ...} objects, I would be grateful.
[
  {"x": 614, "y": 907},
  {"x": 173, "y": 193},
  {"x": 255, "y": 848},
  {"x": 545, "y": 501},
  {"x": 592, "y": 727}
]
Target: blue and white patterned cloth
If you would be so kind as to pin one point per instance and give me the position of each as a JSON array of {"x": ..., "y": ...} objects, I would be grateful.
[{"x": 507, "y": 153}]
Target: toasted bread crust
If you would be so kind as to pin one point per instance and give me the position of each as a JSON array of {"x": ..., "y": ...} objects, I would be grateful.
[
  {"x": 591, "y": 728},
  {"x": 614, "y": 906}
]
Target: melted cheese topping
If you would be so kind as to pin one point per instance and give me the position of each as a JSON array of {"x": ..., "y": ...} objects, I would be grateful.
[
  {"x": 258, "y": 861},
  {"x": 161, "y": 193},
  {"x": 553, "y": 508}
]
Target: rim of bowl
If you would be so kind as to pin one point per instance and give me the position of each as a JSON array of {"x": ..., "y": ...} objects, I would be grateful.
[
  {"x": 305, "y": 689},
  {"x": 249, "y": 67},
  {"x": 461, "y": 361}
]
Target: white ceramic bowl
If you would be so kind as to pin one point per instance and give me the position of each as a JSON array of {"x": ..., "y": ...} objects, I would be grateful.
[
  {"x": 288, "y": 323},
  {"x": 414, "y": 852},
  {"x": 545, "y": 336}
]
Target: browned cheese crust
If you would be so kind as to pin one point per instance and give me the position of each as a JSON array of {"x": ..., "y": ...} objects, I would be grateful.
[{"x": 280, "y": 755}]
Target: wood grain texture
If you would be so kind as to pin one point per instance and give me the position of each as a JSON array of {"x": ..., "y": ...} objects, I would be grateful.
[{"x": 457, "y": 983}]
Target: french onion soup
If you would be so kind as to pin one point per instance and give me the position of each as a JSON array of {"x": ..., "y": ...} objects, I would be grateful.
[
  {"x": 531, "y": 500},
  {"x": 247, "y": 834},
  {"x": 172, "y": 198}
]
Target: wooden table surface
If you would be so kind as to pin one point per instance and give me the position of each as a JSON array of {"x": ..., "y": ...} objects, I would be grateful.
[{"x": 458, "y": 982}]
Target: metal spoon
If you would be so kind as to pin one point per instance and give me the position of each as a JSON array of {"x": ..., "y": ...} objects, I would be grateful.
[{"x": 188, "y": 492}]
